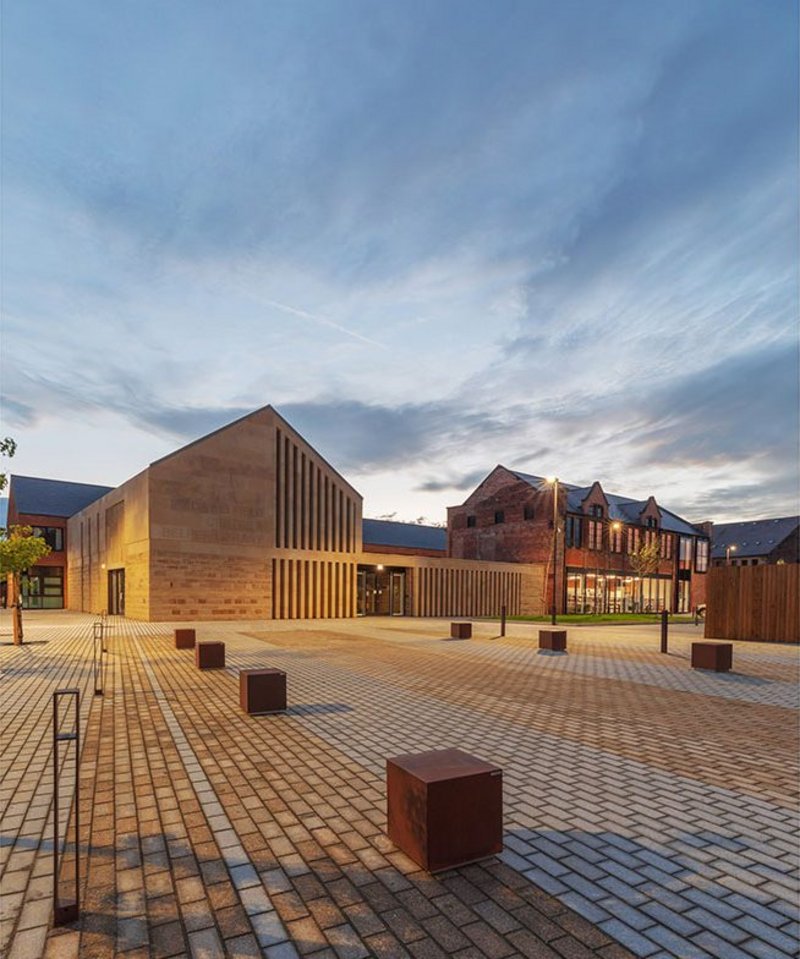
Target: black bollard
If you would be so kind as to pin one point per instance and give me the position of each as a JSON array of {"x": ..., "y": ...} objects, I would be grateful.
[
  {"x": 664, "y": 627},
  {"x": 502, "y": 620}
]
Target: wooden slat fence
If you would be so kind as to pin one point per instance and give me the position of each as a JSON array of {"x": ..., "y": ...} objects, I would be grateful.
[{"x": 759, "y": 603}]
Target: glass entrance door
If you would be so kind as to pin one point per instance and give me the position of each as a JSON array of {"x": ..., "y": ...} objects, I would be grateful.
[
  {"x": 116, "y": 592},
  {"x": 397, "y": 594},
  {"x": 361, "y": 593},
  {"x": 381, "y": 591}
]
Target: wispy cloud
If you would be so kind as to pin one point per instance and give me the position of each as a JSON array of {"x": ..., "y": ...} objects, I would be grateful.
[{"x": 593, "y": 206}]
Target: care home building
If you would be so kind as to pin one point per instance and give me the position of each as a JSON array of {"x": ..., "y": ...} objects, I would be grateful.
[
  {"x": 46, "y": 505},
  {"x": 756, "y": 542},
  {"x": 250, "y": 522},
  {"x": 593, "y": 562}
]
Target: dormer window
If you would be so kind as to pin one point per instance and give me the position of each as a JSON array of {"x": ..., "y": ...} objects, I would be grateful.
[
  {"x": 652, "y": 522},
  {"x": 596, "y": 510}
]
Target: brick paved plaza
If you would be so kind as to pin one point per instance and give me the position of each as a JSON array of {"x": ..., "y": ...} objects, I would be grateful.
[{"x": 650, "y": 810}]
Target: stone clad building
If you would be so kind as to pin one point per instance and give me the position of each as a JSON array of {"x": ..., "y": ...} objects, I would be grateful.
[
  {"x": 250, "y": 522},
  {"x": 509, "y": 518}
]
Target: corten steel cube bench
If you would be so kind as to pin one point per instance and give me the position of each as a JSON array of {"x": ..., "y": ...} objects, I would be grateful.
[
  {"x": 553, "y": 639},
  {"x": 209, "y": 655},
  {"x": 184, "y": 638},
  {"x": 445, "y": 807},
  {"x": 262, "y": 691},
  {"x": 460, "y": 630},
  {"x": 716, "y": 656}
]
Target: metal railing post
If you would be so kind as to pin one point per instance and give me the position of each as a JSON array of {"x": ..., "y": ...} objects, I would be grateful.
[
  {"x": 97, "y": 657},
  {"x": 66, "y": 912}
]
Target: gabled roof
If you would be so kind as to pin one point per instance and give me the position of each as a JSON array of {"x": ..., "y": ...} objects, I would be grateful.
[
  {"x": 620, "y": 508},
  {"x": 755, "y": 537},
  {"x": 47, "y": 497},
  {"x": 382, "y": 532}
]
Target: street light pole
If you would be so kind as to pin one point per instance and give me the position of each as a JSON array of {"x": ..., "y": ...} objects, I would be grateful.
[
  {"x": 728, "y": 550},
  {"x": 555, "y": 548}
]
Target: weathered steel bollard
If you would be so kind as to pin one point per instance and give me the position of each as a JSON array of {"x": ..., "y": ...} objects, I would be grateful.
[
  {"x": 185, "y": 639},
  {"x": 444, "y": 808},
  {"x": 209, "y": 655},
  {"x": 554, "y": 640},
  {"x": 502, "y": 620},
  {"x": 716, "y": 656},
  {"x": 262, "y": 691}
]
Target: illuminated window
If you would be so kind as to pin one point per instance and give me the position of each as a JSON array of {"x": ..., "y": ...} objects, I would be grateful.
[
  {"x": 701, "y": 556},
  {"x": 595, "y": 534}
]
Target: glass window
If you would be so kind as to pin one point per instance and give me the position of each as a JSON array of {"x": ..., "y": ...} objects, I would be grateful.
[
  {"x": 615, "y": 538},
  {"x": 470, "y": 521},
  {"x": 595, "y": 534},
  {"x": 633, "y": 539},
  {"x": 528, "y": 512},
  {"x": 572, "y": 532},
  {"x": 499, "y": 516},
  {"x": 666, "y": 546},
  {"x": 596, "y": 510},
  {"x": 701, "y": 556},
  {"x": 42, "y": 587},
  {"x": 52, "y": 535},
  {"x": 685, "y": 553}
]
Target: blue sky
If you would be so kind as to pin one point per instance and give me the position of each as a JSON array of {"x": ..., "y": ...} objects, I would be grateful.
[{"x": 436, "y": 236}]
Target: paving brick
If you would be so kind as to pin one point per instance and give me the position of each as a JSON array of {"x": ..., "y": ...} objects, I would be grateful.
[{"x": 197, "y": 804}]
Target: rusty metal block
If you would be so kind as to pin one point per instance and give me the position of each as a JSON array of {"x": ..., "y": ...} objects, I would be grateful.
[
  {"x": 262, "y": 690},
  {"x": 716, "y": 656},
  {"x": 554, "y": 639},
  {"x": 445, "y": 807},
  {"x": 184, "y": 638},
  {"x": 209, "y": 655},
  {"x": 460, "y": 630}
]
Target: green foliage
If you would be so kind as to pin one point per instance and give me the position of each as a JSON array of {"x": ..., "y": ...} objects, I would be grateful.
[
  {"x": 20, "y": 549},
  {"x": 7, "y": 448},
  {"x": 645, "y": 559}
]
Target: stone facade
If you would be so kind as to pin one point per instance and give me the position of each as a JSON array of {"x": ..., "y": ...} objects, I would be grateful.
[{"x": 251, "y": 523}]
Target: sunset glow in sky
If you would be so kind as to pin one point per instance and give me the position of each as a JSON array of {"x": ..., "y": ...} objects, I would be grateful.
[{"x": 436, "y": 236}]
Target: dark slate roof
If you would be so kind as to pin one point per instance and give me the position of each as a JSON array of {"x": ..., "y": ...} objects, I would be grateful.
[
  {"x": 381, "y": 532},
  {"x": 755, "y": 537},
  {"x": 48, "y": 497},
  {"x": 620, "y": 508}
]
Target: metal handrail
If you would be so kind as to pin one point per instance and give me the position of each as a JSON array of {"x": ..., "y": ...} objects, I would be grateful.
[
  {"x": 69, "y": 911},
  {"x": 98, "y": 649}
]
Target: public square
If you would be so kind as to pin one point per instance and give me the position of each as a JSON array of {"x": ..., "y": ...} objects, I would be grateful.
[{"x": 649, "y": 809}]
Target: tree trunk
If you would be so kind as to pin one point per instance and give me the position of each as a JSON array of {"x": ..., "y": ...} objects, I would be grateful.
[{"x": 16, "y": 609}]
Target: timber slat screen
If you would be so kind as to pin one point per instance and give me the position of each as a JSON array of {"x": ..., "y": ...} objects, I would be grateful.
[
  {"x": 311, "y": 511},
  {"x": 760, "y": 603},
  {"x": 443, "y": 591}
]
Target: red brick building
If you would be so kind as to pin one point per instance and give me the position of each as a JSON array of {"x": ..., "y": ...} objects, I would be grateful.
[
  {"x": 46, "y": 505},
  {"x": 599, "y": 563},
  {"x": 756, "y": 542}
]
